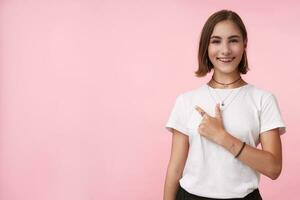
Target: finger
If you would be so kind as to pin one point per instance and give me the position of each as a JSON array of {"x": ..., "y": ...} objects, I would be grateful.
[
  {"x": 200, "y": 110},
  {"x": 218, "y": 111},
  {"x": 205, "y": 116}
]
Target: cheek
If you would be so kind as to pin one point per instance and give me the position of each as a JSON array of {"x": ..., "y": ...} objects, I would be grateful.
[
  {"x": 212, "y": 52},
  {"x": 237, "y": 49}
]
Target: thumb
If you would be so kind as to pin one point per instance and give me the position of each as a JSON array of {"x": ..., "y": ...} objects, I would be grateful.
[{"x": 218, "y": 111}]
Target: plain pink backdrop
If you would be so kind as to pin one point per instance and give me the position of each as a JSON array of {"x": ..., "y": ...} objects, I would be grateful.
[{"x": 87, "y": 86}]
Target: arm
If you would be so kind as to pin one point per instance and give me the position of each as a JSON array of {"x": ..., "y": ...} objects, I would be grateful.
[
  {"x": 267, "y": 161},
  {"x": 179, "y": 152}
]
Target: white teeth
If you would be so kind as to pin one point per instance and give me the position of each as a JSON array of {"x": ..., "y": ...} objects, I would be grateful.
[{"x": 225, "y": 60}]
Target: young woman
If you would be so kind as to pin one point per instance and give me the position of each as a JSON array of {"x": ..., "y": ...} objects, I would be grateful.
[{"x": 217, "y": 127}]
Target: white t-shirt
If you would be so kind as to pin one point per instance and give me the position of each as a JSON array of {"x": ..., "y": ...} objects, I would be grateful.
[{"x": 210, "y": 170}]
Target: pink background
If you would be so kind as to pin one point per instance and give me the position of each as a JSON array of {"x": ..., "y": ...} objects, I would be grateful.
[{"x": 87, "y": 87}]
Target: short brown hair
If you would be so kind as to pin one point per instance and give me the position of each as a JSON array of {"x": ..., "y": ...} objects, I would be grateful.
[{"x": 204, "y": 64}]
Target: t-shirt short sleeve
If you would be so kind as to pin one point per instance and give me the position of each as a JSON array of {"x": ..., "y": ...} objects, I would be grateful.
[
  {"x": 270, "y": 116},
  {"x": 177, "y": 118}
]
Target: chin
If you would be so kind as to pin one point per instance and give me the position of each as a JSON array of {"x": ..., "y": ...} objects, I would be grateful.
[{"x": 225, "y": 70}]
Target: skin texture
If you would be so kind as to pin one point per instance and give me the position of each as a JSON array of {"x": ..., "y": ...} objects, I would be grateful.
[
  {"x": 179, "y": 153},
  {"x": 268, "y": 160},
  {"x": 225, "y": 47},
  {"x": 211, "y": 127}
]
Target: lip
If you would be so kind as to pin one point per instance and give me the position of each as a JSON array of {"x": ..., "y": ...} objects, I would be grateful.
[
  {"x": 231, "y": 59},
  {"x": 225, "y": 58}
]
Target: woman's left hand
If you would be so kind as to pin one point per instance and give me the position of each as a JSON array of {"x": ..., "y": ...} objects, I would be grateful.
[{"x": 211, "y": 127}]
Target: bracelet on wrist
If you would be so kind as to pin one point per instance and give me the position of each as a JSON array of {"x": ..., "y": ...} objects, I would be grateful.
[{"x": 244, "y": 144}]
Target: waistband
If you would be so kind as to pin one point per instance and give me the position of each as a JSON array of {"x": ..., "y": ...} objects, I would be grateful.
[{"x": 183, "y": 194}]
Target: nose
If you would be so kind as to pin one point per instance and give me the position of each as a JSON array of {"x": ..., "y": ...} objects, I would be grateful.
[{"x": 225, "y": 49}]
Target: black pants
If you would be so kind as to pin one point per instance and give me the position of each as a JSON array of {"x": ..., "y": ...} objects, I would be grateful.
[{"x": 182, "y": 194}]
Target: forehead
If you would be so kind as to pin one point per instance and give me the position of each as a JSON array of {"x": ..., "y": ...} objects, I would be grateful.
[{"x": 225, "y": 29}]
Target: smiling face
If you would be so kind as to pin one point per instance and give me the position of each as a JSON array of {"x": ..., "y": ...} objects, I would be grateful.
[{"x": 226, "y": 47}]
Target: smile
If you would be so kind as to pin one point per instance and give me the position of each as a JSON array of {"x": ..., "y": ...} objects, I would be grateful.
[{"x": 225, "y": 60}]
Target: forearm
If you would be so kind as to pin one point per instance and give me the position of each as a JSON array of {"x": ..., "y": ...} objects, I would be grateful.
[
  {"x": 259, "y": 160},
  {"x": 171, "y": 185}
]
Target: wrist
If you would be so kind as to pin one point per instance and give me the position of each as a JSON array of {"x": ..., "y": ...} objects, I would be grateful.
[
  {"x": 232, "y": 144},
  {"x": 222, "y": 137}
]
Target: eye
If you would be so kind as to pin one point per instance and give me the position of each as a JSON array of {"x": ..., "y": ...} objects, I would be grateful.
[
  {"x": 233, "y": 40},
  {"x": 215, "y": 41}
]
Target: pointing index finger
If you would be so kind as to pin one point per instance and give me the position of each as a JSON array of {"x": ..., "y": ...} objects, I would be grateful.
[{"x": 200, "y": 110}]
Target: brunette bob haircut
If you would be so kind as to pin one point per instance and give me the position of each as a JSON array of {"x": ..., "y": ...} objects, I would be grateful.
[{"x": 204, "y": 64}]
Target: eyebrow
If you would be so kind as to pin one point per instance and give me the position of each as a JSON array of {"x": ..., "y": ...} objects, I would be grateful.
[{"x": 218, "y": 37}]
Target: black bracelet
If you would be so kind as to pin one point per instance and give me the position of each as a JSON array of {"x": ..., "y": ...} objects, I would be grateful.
[{"x": 244, "y": 144}]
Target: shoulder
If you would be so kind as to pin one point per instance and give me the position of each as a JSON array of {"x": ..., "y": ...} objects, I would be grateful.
[
  {"x": 194, "y": 94},
  {"x": 261, "y": 96},
  {"x": 259, "y": 92}
]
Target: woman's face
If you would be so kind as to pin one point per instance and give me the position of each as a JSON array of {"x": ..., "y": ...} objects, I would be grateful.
[{"x": 226, "y": 47}]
